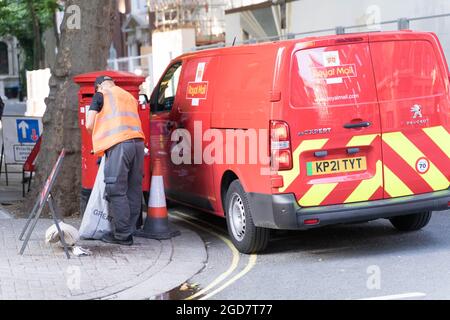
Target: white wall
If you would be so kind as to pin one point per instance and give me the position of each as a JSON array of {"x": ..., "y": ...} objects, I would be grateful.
[
  {"x": 168, "y": 45},
  {"x": 308, "y": 15},
  {"x": 233, "y": 27},
  {"x": 37, "y": 90},
  {"x": 242, "y": 3}
]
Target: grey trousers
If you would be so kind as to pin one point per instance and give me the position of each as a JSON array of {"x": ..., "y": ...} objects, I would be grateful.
[{"x": 123, "y": 178}]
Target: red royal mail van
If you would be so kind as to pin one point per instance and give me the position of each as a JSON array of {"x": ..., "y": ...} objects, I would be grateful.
[{"x": 306, "y": 133}]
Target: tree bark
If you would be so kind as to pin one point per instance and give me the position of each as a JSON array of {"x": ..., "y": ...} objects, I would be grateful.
[
  {"x": 37, "y": 39},
  {"x": 36, "y": 35},
  {"x": 80, "y": 51},
  {"x": 55, "y": 29}
]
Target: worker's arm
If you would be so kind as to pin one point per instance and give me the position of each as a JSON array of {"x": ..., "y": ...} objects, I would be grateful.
[
  {"x": 91, "y": 120},
  {"x": 96, "y": 107}
]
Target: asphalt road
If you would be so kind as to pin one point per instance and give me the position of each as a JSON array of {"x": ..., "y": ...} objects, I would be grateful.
[{"x": 357, "y": 261}]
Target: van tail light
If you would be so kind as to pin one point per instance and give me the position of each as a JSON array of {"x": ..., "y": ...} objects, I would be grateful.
[
  {"x": 311, "y": 222},
  {"x": 280, "y": 145}
]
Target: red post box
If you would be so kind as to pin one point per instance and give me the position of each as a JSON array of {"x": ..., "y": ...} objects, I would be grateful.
[{"x": 89, "y": 167}]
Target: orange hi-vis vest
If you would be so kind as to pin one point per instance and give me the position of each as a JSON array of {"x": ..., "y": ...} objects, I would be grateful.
[{"x": 118, "y": 120}]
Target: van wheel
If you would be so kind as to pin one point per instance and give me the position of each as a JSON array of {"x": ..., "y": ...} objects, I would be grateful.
[
  {"x": 246, "y": 237},
  {"x": 411, "y": 222}
]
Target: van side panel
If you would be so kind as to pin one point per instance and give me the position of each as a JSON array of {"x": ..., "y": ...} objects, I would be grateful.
[
  {"x": 192, "y": 115},
  {"x": 241, "y": 112},
  {"x": 243, "y": 96}
]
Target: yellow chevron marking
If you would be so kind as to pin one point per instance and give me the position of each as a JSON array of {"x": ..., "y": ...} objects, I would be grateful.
[
  {"x": 316, "y": 194},
  {"x": 394, "y": 186},
  {"x": 367, "y": 187},
  {"x": 365, "y": 140},
  {"x": 410, "y": 153},
  {"x": 291, "y": 175},
  {"x": 441, "y": 137}
]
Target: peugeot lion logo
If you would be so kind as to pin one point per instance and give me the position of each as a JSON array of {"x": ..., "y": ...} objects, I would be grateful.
[{"x": 417, "y": 111}]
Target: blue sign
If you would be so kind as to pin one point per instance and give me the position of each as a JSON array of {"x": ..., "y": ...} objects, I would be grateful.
[{"x": 27, "y": 130}]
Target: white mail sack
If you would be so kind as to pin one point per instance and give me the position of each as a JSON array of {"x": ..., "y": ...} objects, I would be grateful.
[{"x": 96, "y": 219}]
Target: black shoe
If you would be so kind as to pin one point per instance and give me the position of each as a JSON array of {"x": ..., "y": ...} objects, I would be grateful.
[{"x": 109, "y": 238}]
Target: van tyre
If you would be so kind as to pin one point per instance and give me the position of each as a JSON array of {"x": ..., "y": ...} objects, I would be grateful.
[
  {"x": 246, "y": 237},
  {"x": 411, "y": 222}
]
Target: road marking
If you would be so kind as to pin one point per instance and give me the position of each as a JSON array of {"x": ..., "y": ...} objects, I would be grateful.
[
  {"x": 251, "y": 263},
  {"x": 408, "y": 295},
  {"x": 235, "y": 253}
]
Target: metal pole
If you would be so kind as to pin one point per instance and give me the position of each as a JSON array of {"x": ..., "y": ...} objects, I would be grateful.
[
  {"x": 55, "y": 216},
  {"x": 403, "y": 24},
  {"x": 340, "y": 30},
  {"x": 18, "y": 72},
  {"x": 30, "y": 217},
  {"x": 1, "y": 158}
]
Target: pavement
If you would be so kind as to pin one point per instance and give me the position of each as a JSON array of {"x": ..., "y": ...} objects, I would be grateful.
[{"x": 146, "y": 270}]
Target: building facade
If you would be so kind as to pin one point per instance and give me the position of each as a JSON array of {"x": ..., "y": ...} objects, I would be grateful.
[
  {"x": 256, "y": 20},
  {"x": 9, "y": 67}
]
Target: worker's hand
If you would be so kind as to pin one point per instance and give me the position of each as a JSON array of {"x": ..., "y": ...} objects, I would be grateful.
[{"x": 90, "y": 120}]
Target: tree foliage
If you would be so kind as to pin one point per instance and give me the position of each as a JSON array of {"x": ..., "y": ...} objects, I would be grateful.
[{"x": 27, "y": 20}]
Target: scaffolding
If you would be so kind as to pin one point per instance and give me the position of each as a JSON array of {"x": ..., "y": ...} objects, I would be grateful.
[{"x": 207, "y": 17}]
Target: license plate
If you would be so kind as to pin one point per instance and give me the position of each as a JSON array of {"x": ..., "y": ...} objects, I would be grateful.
[{"x": 316, "y": 168}]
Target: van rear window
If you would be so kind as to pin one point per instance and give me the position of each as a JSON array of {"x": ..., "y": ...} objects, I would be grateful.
[
  {"x": 335, "y": 75},
  {"x": 406, "y": 69}
]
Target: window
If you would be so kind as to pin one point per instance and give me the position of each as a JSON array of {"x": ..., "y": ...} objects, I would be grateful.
[
  {"x": 4, "y": 66},
  {"x": 168, "y": 88}
]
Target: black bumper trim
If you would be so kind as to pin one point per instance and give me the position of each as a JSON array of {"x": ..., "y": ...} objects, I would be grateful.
[{"x": 281, "y": 211}]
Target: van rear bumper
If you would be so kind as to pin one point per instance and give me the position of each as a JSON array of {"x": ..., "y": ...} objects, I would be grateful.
[{"x": 281, "y": 211}]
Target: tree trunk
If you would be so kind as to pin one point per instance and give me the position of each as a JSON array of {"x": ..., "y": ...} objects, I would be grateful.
[
  {"x": 37, "y": 39},
  {"x": 81, "y": 50},
  {"x": 55, "y": 29}
]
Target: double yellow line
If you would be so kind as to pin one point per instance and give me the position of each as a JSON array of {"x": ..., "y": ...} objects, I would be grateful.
[{"x": 220, "y": 283}]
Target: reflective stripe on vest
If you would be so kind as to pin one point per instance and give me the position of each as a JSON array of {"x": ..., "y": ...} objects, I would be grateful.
[{"x": 118, "y": 130}]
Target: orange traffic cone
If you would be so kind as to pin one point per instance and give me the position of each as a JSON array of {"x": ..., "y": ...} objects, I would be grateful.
[{"x": 156, "y": 225}]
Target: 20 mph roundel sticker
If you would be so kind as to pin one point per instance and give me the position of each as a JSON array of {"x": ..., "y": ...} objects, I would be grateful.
[{"x": 422, "y": 165}]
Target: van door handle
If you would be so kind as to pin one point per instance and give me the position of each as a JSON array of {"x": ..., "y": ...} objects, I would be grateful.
[{"x": 363, "y": 124}]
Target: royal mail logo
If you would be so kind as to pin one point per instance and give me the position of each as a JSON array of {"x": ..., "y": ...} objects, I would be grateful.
[
  {"x": 331, "y": 60},
  {"x": 342, "y": 71},
  {"x": 332, "y": 70},
  {"x": 197, "y": 90}
]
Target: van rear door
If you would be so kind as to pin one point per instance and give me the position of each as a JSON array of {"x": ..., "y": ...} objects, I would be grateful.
[
  {"x": 334, "y": 120},
  {"x": 412, "y": 87}
]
